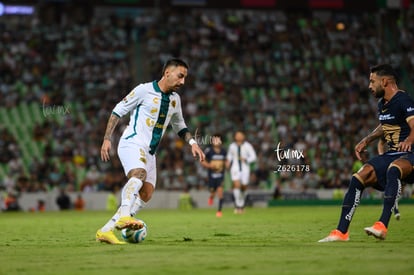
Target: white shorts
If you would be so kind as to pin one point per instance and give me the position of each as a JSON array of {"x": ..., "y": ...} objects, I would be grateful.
[
  {"x": 241, "y": 175},
  {"x": 134, "y": 156}
]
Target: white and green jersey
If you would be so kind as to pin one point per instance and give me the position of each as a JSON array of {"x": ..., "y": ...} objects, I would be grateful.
[{"x": 151, "y": 110}]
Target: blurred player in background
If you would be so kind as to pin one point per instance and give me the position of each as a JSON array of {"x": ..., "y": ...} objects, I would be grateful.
[
  {"x": 216, "y": 164},
  {"x": 152, "y": 106},
  {"x": 396, "y": 117},
  {"x": 240, "y": 156}
]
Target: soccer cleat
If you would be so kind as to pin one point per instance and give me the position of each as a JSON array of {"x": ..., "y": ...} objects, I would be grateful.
[
  {"x": 335, "y": 236},
  {"x": 107, "y": 237},
  {"x": 378, "y": 230},
  {"x": 210, "y": 201},
  {"x": 128, "y": 222},
  {"x": 219, "y": 214},
  {"x": 397, "y": 216}
]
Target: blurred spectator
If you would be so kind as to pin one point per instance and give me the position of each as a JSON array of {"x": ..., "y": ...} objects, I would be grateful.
[
  {"x": 63, "y": 200},
  {"x": 11, "y": 202},
  {"x": 41, "y": 205},
  {"x": 285, "y": 77},
  {"x": 79, "y": 203},
  {"x": 8, "y": 146}
]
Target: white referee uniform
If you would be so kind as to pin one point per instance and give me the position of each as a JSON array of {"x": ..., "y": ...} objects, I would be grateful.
[
  {"x": 240, "y": 157},
  {"x": 151, "y": 110}
]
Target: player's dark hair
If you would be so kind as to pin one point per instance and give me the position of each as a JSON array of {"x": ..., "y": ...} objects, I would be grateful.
[
  {"x": 174, "y": 62},
  {"x": 385, "y": 70},
  {"x": 217, "y": 135}
]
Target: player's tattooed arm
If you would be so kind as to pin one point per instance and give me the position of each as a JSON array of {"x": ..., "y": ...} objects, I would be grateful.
[
  {"x": 110, "y": 127},
  {"x": 106, "y": 144},
  {"x": 374, "y": 135}
]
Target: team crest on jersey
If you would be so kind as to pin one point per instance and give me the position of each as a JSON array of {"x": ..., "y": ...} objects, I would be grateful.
[
  {"x": 173, "y": 103},
  {"x": 156, "y": 100}
]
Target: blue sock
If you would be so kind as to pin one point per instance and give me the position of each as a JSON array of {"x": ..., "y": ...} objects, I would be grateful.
[
  {"x": 220, "y": 204},
  {"x": 391, "y": 192},
  {"x": 351, "y": 201}
]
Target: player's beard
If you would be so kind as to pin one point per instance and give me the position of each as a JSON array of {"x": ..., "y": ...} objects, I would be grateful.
[
  {"x": 379, "y": 93},
  {"x": 175, "y": 88}
]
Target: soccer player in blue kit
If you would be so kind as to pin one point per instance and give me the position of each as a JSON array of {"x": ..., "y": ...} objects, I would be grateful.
[
  {"x": 383, "y": 172},
  {"x": 215, "y": 163}
]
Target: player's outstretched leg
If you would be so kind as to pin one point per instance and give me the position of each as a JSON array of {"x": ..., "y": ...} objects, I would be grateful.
[
  {"x": 128, "y": 197},
  {"x": 106, "y": 233},
  {"x": 349, "y": 205},
  {"x": 219, "y": 193},
  {"x": 107, "y": 237},
  {"x": 391, "y": 194},
  {"x": 137, "y": 205},
  {"x": 237, "y": 200},
  {"x": 211, "y": 198}
]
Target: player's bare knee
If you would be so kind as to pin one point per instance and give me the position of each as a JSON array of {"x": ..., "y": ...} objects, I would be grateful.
[
  {"x": 144, "y": 195},
  {"x": 236, "y": 184},
  {"x": 138, "y": 173},
  {"x": 403, "y": 165},
  {"x": 366, "y": 175}
]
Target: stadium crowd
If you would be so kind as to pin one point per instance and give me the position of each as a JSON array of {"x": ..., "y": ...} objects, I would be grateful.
[{"x": 288, "y": 79}]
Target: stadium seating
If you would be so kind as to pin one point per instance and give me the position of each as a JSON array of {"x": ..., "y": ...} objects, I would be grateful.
[{"x": 299, "y": 74}]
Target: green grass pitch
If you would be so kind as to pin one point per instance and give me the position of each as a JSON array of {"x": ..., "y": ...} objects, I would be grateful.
[{"x": 278, "y": 240}]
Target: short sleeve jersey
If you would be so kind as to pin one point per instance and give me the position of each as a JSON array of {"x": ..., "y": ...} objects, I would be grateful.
[
  {"x": 394, "y": 117},
  {"x": 151, "y": 111},
  {"x": 217, "y": 159}
]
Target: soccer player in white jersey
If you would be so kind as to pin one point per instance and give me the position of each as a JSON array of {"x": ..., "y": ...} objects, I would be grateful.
[
  {"x": 152, "y": 107},
  {"x": 240, "y": 156}
]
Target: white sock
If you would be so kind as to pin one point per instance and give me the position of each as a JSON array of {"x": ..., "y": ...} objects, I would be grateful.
[
  {"x": 110, "y": 225},
  {"x": 237, "y": 195},
  {"x": 137, "y": 205},
  {"x": 242, "y": 198},
  {"x": 128, "y": 195}
]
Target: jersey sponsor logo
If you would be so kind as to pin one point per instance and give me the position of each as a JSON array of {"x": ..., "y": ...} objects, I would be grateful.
[
  {"x": 142, "y": 154},
  {"x": 159, "y": 125},
  {"x": 410, "y": 109},
  {"x": 154, "y": 111},
  {"x": 128, "y": 97},
  {"x": 386, "y": 117},
  {"x": 354, "y": 206}
]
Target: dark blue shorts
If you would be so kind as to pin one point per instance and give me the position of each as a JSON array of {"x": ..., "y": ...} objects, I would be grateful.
[
  {"x": 381, "y": 163},
  {"x": 215, "y": 183},
  {"x": 410, "y": 178}
]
